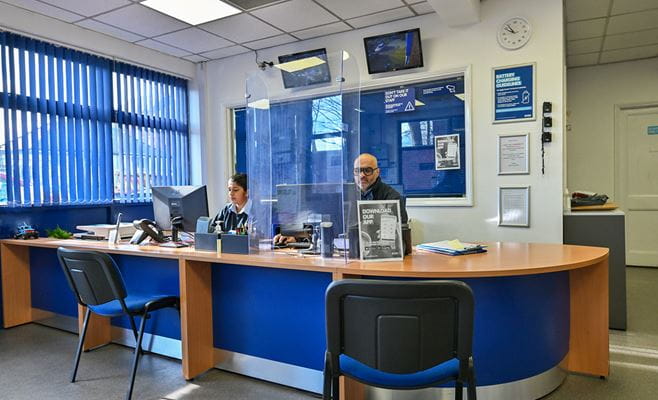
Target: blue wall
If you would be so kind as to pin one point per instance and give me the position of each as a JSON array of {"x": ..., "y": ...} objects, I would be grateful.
[{"x": 67, "y": 217}]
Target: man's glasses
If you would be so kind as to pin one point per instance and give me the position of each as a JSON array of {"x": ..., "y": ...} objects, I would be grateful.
[{"x": 367, "y": 171}]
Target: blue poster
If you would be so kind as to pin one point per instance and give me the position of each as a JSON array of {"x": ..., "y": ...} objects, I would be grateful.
[
  {"x": 514, "y": 96},
  {"x": 399, "y": 100}
]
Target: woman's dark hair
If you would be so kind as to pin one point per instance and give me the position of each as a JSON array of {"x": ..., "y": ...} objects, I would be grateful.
[{"x": 240, "y": 179}]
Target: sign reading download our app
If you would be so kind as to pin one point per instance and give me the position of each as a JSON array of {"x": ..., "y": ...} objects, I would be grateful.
[{"x": 514, "y": 93}]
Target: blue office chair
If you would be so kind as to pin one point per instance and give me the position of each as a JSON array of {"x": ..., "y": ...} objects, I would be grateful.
[
  {"x": 97, "y": 284},
  {"x": 399, "y": 335}
]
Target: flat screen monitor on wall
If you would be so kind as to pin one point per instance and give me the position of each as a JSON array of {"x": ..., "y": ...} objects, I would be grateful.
[
  {"x": 304, "y": 69},
  {"x": 394, "y": 51}
]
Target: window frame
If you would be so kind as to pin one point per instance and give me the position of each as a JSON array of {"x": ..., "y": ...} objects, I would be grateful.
[{"x": 387, "y": 82}]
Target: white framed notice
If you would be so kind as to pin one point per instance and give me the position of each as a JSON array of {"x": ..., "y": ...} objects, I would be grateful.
[
  {"x": 513, "y": 154},
  {"x": 514, "y": 206},
  {"x": 380, "y": 233}
]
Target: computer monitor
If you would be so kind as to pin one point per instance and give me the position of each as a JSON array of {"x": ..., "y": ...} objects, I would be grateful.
[
  {"x": 314, "y": 203},
  {"x": 182, "y": 205}
]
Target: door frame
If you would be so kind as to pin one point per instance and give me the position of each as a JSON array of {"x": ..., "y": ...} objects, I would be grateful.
[{"x": 620, "y": 157}]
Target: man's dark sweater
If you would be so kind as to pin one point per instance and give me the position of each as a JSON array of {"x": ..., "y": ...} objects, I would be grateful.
[{"x": 381, "y": 191}]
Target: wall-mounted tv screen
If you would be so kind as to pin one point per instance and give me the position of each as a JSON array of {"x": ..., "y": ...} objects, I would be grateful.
[
  {"x": 305, "y": 68},
  {"x": 394, "y": 51}
]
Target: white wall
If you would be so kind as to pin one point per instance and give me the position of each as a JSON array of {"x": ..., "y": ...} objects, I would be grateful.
[
  {"x": 444, "y": 49},
  {"x": 593, "y": 94}
]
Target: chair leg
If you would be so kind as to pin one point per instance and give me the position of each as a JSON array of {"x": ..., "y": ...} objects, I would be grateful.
[
  {"x": 335, "y": 388},
  {"x": 471, "y": 391},
  {"x": 81, "y": 342},
  {"x": 134, "y": 329},
  {"x": 459, "y": 390},
  {"x": 138, "y": 351}
]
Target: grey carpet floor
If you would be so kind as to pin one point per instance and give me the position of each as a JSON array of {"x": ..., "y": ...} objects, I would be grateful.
[{"x": 35, "y": 364}]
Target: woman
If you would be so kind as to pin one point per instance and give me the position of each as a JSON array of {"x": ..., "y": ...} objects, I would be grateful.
[{"x": 235, "y": 214}]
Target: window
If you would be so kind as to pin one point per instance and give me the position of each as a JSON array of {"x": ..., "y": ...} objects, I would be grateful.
[
  {"x": 63, "y": 114},
  {"x": 407, "y": 142},
  {"x": 149, "y": 132}
]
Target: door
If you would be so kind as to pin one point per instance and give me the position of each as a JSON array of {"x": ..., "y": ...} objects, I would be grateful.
[{"x": 637, "y": 179}]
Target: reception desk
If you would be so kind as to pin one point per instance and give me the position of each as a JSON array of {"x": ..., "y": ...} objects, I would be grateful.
[{"x": 541, "y": 309}]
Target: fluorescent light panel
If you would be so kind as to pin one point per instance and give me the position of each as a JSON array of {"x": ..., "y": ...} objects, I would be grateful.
[
  {"x": 298, "y": 65},
  {"x": 194, "y": 12}
]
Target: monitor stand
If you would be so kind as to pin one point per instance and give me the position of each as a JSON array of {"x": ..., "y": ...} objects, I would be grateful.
[{"x": 175, "y": 243}]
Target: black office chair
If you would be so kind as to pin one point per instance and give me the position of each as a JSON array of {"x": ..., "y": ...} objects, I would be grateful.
[
  {"x": 399, "y": 335},
  {"x": 97, "y": 284}
]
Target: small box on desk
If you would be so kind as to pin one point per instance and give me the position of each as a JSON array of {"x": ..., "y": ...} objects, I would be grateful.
[
  {"x": 235, "y": 244},
  {"x": 206, "y": 241}
]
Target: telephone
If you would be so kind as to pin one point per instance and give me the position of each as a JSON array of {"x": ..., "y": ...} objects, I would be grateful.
[{"x": 146, "y": 228}]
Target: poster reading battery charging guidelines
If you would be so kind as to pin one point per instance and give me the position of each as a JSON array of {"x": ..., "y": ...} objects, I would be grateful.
[
  {"x": 380, "y": 231},
  {"x": 514, "y": 93}
]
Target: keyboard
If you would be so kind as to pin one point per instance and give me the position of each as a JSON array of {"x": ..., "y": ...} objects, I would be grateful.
[
  {"x": 293, "y": 245},
  {"x": 299, "y": 245}
]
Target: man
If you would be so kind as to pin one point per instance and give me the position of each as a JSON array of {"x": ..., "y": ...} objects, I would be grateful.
[
  {"x": 371, "y": 187},
  {"x": 366, "y": 177}
]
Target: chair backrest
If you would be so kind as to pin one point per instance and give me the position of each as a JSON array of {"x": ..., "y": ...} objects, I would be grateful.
[
  {"x": 93, "y": 276},
  {"x": 399, "y": 326}
]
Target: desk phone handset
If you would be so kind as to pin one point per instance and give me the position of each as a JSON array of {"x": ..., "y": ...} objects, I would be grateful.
[{"x": 146, "y": 228}]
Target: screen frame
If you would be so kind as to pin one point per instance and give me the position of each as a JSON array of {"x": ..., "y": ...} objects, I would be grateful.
[
  {"x": 297, "y": 56},
  {"x": 420, "y": 46}
]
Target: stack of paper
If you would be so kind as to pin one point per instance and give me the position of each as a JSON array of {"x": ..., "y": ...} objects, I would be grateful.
[{"x": 452, "y": 247}]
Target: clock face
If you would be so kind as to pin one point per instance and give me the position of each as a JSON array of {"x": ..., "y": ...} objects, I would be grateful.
[{"x": 514, "y": 33}]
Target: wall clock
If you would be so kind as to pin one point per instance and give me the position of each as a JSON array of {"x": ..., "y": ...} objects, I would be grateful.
[{"x": 514, "y": 33}]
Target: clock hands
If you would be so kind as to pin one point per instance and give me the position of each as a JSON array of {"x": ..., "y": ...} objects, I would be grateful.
[{"x": 509, "y": 29}]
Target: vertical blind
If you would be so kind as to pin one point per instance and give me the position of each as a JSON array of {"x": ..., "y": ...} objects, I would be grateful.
[
  {"x": 76, "y": 128},
  {"x": 150, "y": 124}
]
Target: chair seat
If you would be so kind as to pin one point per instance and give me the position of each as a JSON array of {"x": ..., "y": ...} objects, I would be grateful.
[
  {"x": 364, "y": 373},
  {"x": 135, "y": 304}
]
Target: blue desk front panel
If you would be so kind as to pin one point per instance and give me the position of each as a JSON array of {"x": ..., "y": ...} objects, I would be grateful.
[
  {"x": 271, "y": 313},
  {"x": 144, "y": 275}
]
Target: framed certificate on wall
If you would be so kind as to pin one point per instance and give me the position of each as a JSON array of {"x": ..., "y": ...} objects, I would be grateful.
[
  {"x": 514, "y": 206},
  {"x": 513, "y": 154}
]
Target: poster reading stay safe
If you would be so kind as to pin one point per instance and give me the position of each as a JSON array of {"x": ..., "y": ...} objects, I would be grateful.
[{"x": 514, "y": 93}]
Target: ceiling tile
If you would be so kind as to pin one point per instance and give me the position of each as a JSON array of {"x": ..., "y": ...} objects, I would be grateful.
[
  {"x": 322, "y": 30},
  {"x": 633, "y": 22},
  {"x": 225, "y": 52},
  {"x": 380, "y": 18},
  {"x": 195, "y": 58},
  {"x": 295, "y": 15},
  {"x": 629, "y": 6},
  {"x": 164, "y": 48},
  {"x": 109, "y": 30},
  {"x": 270, "y": 42},
  {"x": 356, "y": 8},
  {"x": 86, "y": 7},
  {"x": 586, "y": 9},
  {"x": 241, "y": 28},
  {"x": 584, "y": 46},
  {"x": 631, "y": 39},
  {"x": 629, "y": 54},
  {"x": 45, "y": 9},
  {"x": 142, "y": 20},
  {"x": 194, "y": 40},
  {"x": 423, "y": 8},
  {"x": 585, "y": 29},
  {"x": 582, "y": 60}
]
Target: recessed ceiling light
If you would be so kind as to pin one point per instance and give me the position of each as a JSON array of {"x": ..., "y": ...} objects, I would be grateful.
[{"x": 193, "y": 12}]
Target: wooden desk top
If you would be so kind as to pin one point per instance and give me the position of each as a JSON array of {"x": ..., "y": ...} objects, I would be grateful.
[{"x": 502, "y": 259}]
